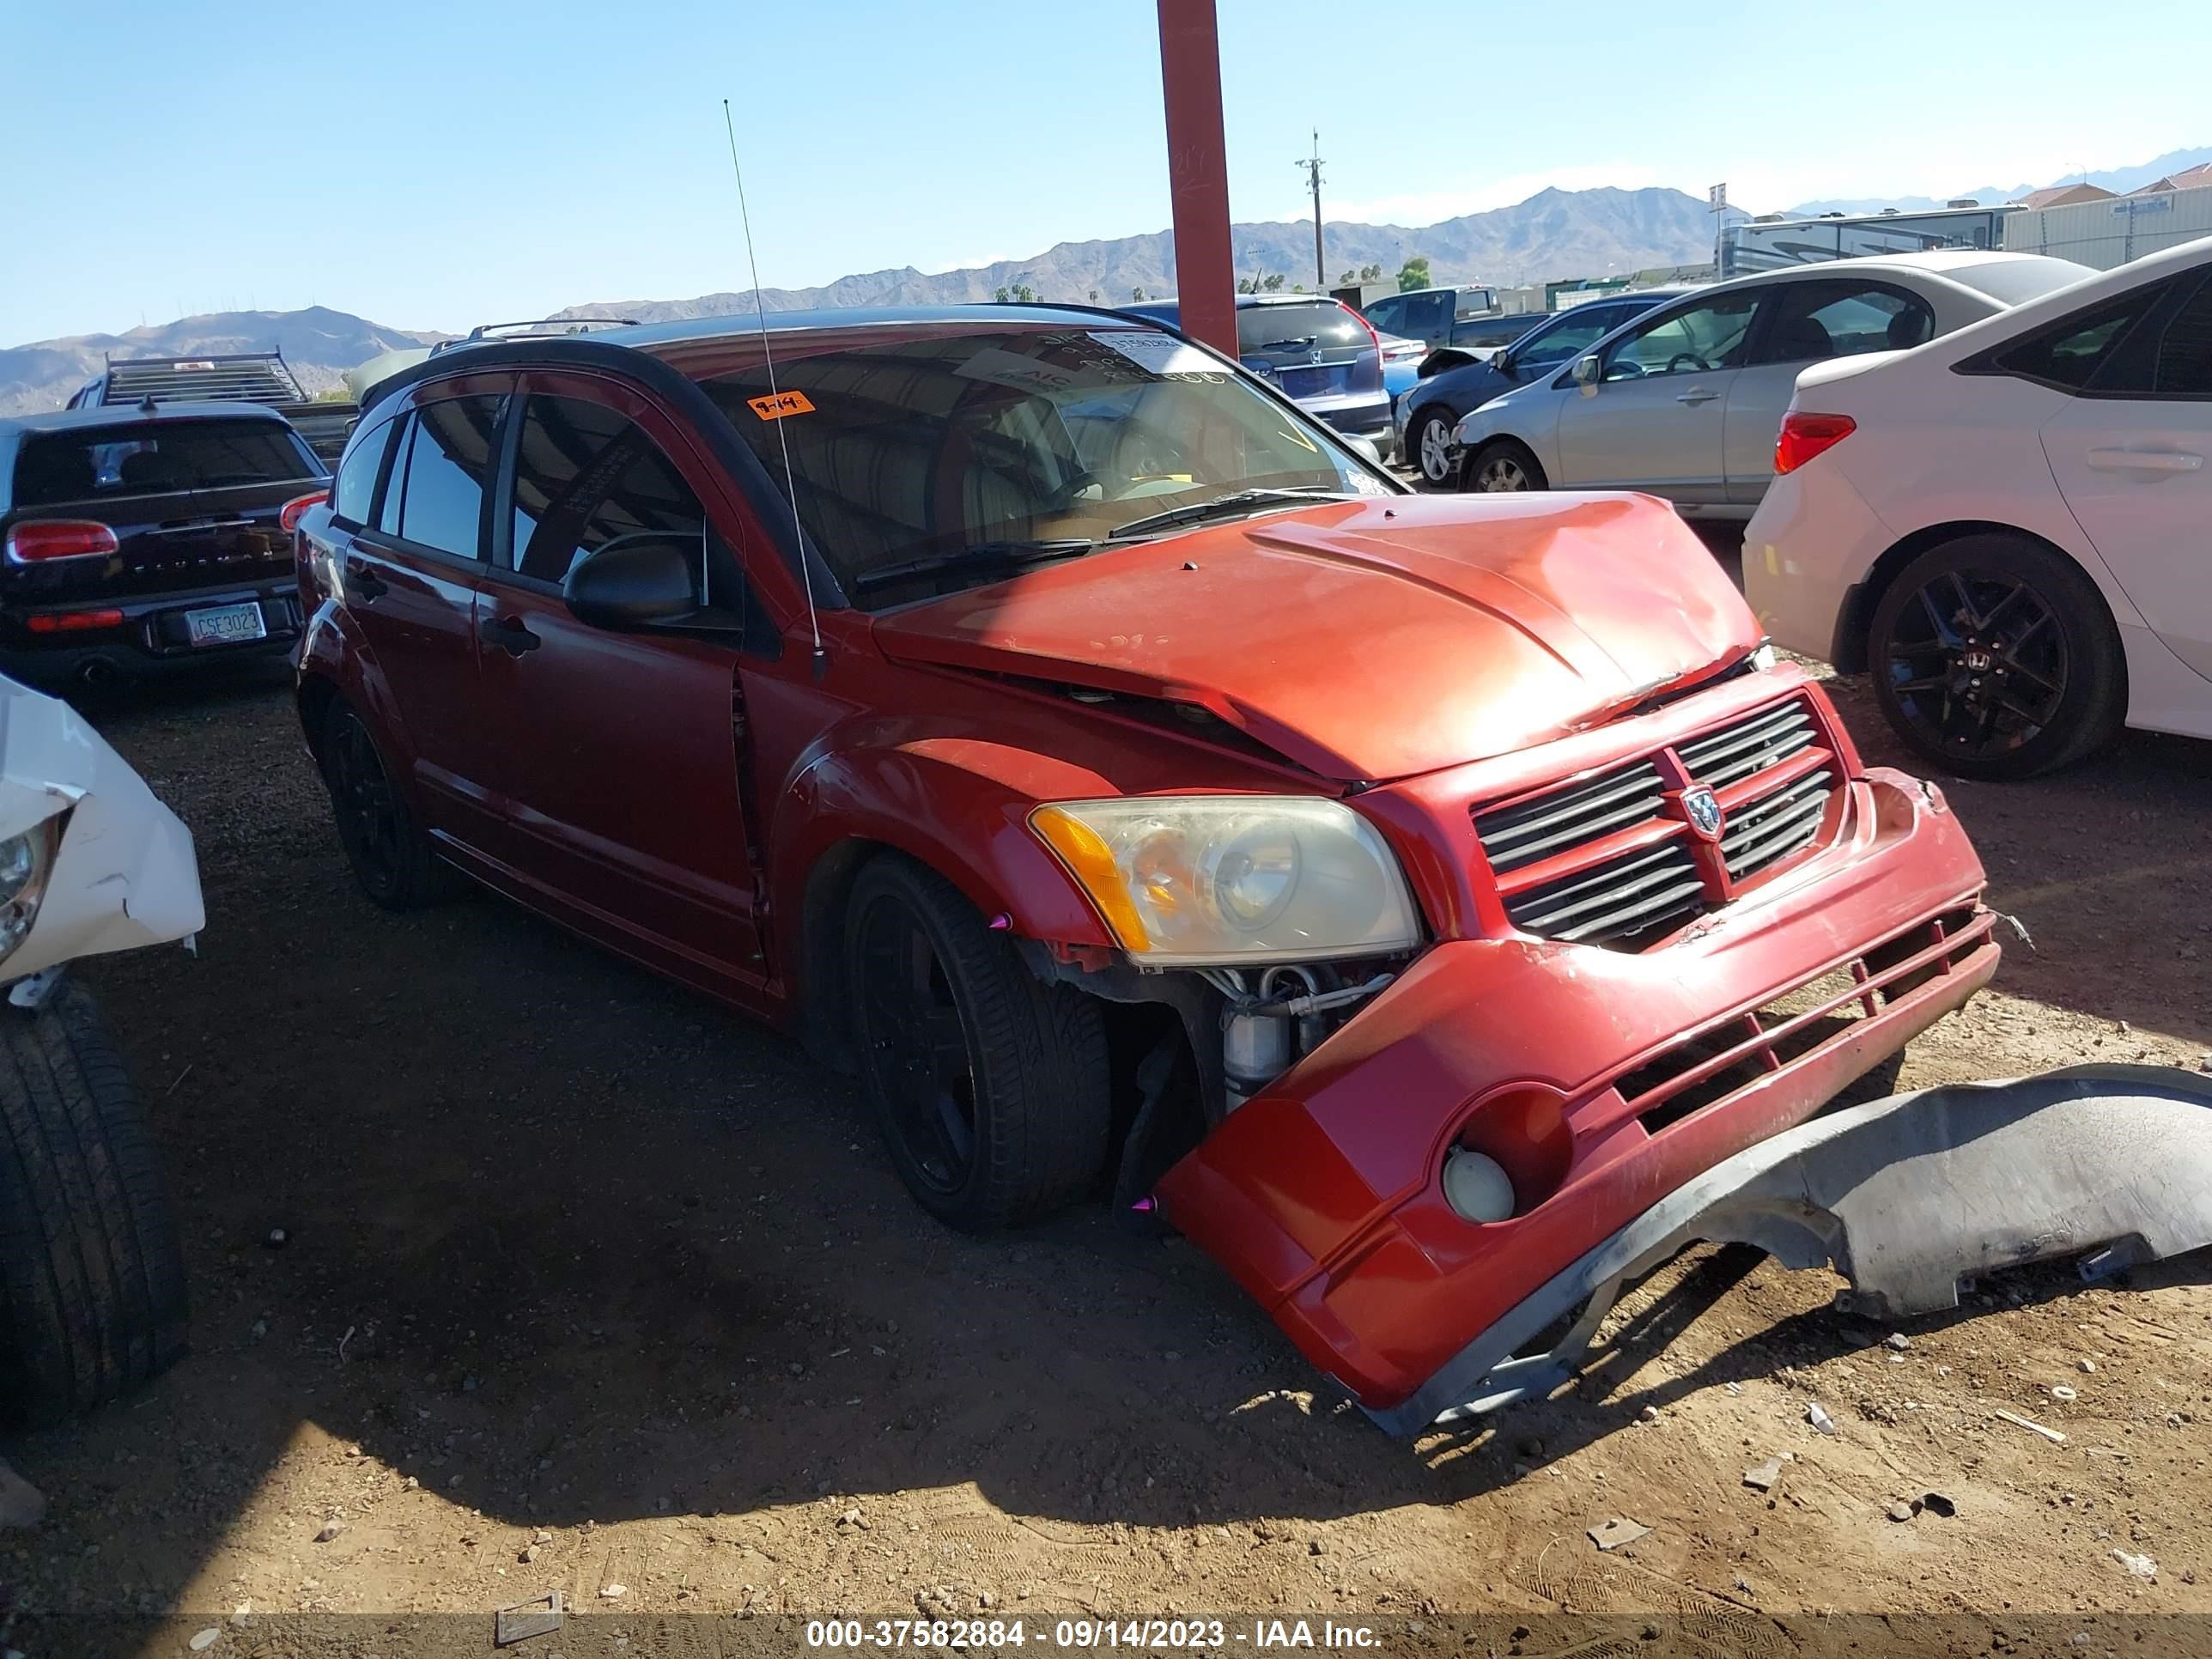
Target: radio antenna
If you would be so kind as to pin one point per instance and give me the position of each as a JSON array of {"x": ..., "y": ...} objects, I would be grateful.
[{"x": 776, "y": 400}]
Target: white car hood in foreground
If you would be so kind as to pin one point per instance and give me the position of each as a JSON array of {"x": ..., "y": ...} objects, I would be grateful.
[{"x": 124, "y": 875}]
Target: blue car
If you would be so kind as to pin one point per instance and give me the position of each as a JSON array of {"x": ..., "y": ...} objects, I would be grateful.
[
  {"x": 1319, "y": 351},
  {"x": 1455, "y": 383}
]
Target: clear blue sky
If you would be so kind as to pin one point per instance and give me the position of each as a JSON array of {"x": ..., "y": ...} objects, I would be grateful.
[{"x": 435, "y": 165}]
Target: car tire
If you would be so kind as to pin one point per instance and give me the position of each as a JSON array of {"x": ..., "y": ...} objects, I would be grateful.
[
  {"x": 1429, "y": 444},
  {"x": 2044, "y": 685},
  {"x": 1502, "y": 465},
  {"x": 92, "y": 1277},
  {"x": 990, "y": 1088},
  {"x": 390, "y": 856}
]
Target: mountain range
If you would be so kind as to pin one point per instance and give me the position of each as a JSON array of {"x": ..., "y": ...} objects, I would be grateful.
[
  {"x": 1555, "y": 233},
  {"x": 318, "y": 345}
]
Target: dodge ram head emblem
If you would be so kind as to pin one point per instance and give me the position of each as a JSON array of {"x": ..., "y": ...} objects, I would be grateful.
[{"x": 1703, "y": 809}]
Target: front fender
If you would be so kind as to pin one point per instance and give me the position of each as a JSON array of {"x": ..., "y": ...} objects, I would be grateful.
[{"x": 959, "y": 805}]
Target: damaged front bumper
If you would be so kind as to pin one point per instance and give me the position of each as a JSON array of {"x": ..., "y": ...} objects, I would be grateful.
[
  {"x": 1906, "y": 1197},
  {"x": 123, "y": 873},
  {"x": 1600, "y": 1081}
]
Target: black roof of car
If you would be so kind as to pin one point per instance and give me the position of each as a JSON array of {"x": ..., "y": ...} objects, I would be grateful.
[{"x": 64, "y": 420}]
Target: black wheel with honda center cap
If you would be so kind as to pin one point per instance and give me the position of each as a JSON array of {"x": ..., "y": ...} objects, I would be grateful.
[{"x": 1995, "y": 657}]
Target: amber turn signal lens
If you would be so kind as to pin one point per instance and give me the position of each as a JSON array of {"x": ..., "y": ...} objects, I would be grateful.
[{"x": 1091, "y": 861}]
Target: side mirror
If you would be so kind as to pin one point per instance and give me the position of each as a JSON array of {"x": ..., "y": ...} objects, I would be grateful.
[
  {"x": 1363, "y": 445},
  {"x": 1588, "y": 372},
  {"x": 642, "y": 581}
]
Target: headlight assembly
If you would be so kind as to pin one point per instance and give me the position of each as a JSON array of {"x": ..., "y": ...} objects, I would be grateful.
[
  {"x": 1220, "y": 880},
  {"x": 25, "y": 862}
]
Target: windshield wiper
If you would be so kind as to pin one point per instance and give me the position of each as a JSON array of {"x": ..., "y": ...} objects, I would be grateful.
[
  {"x": 1241, "y": 500},
  {"x": 999, "y": 555}
]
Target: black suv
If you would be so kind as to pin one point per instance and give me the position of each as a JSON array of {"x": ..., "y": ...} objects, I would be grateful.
[{"x": 134, "y": 543}]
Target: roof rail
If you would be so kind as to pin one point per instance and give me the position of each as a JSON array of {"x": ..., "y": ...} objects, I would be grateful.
[{"x": 484, "y": 331}]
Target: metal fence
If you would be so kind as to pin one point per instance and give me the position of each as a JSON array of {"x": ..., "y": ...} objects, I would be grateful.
[{"x": 2104, "y": 234}]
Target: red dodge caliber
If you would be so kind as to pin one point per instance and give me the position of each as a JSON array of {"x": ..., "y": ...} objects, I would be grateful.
[{"x": 1143, "y": 792}]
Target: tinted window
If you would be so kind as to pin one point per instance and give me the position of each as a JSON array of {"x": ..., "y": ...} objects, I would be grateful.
[
  {"x": 1569, "y": 336},
  {"x": 2071, "y": 353},
  {"x": 585, "y": 476},
  {"x": 95, "y": 463},
  {"x": 1812, "y": 321},
  {"x": 356, "y": 489},
  {"x": 1693, "y": 342},
  {"x": 2185, "y": 354},
  {"x": 1268, "y": 329},
  {"x": 449, "y": 460},
  {"x": 1426, "y": 316},
  {"x": 1385, "y": 315}
]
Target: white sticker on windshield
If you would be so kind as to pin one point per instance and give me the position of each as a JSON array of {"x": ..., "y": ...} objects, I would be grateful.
[
  {"x": 1023, "y": 374},
  {"x": 1157, "y": 353}
]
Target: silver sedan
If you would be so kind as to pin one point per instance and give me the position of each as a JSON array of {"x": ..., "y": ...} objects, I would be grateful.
[{"x": 1684, "y": 401}]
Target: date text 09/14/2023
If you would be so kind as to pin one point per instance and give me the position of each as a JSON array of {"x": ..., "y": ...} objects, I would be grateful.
[{"x": 1109, "y": 1633}]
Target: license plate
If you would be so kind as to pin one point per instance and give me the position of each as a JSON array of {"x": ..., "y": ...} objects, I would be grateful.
[{"x": 226, "y": 624}]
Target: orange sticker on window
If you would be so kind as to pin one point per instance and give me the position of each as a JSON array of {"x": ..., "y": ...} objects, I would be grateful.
[{"x": 782, "y": 404}]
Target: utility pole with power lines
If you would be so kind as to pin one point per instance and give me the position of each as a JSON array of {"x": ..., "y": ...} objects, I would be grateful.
[{"x": 1312, "y": 165}]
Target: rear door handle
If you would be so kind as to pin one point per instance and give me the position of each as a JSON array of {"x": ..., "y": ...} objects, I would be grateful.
[
  {"x": 510, "y": 633},
  {"x": 362, "y": 579},
  {"x": 1696, "y": 394},
  {"x": 2144, "y": 461}
]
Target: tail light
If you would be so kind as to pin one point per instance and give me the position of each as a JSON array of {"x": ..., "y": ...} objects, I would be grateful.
[
  {"x": 1804, "y": 436},
  {"x": 1372, "y": 335},
  {"x": 289, "y": 515},
  {"x": 42, "y": 541},
  {"x": 72, "y": 621}
]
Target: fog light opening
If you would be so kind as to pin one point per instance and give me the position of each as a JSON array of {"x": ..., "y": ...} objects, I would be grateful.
[{"x": 1477, "y": 1187}]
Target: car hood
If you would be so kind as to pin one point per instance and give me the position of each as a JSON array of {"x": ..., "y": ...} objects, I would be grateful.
[{"x": 1372, "y": 639}]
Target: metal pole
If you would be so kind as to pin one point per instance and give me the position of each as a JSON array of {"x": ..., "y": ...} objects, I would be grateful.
[
  {"x": 1311, "y": 166},
  {"x": 1198, "y": 172}
]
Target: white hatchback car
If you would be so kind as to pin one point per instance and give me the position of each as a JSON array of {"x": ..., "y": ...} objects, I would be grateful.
[
  {"x": 1683, "y": 401},
  {"x": 2011, "y": 527}
]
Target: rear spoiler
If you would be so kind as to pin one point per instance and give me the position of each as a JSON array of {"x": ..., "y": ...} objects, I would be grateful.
[{"x": 251, "y": 377}]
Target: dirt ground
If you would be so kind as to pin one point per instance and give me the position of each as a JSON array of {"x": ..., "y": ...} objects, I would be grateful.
[{"x": 588, "y": 1284}]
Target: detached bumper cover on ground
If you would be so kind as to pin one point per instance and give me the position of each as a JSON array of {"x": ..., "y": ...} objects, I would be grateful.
[{"x": 1905, "y": 1197}]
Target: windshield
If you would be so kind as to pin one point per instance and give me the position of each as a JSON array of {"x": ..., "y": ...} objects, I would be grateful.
[{"x": 910, "y": 448}]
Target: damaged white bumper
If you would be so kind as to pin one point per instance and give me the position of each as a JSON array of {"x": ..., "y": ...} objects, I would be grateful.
[{"x": 89, "y": 861}]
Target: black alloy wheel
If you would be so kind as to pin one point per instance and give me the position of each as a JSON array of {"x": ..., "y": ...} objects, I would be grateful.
[
  {"x": 989, "y": 1084},
  {"x": 389, "y": 855},
  {"x": 916, "y": 1048},
  {"x": 1995, "y": 658}
]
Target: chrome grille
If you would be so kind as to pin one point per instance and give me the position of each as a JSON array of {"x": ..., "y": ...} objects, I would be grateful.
[{"x": 1593, "y": 890}]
